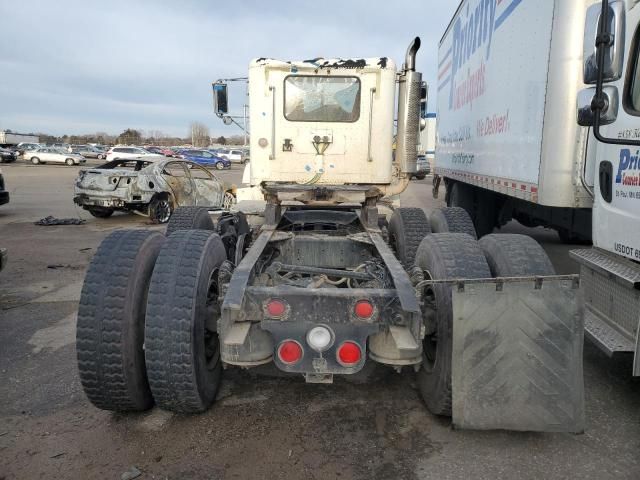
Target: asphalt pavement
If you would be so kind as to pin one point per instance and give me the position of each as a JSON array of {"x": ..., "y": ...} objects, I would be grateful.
[{"x": 264, "y": 425}]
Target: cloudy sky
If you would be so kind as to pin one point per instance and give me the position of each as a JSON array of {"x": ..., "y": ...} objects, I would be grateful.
[{"x": 81, "y": 66}]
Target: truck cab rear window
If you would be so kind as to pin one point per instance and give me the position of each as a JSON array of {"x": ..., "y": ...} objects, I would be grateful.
[{"x": 312, "y": 98}]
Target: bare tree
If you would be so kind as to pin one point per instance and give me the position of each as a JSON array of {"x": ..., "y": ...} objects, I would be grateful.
[{"x": 199, "y": 134}]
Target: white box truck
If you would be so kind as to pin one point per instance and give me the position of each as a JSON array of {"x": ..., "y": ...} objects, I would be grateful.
[{"x": 510, "y": 146}]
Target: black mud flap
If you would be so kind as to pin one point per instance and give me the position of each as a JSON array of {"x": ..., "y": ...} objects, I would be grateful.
[{"x": 517, "y": 355}]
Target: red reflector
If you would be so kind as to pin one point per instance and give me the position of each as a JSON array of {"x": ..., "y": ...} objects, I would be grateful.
[
  {"x": 363, "y": 309},
  {"x": 289, "y": 351},
  {"x": 349, "y": 353},
  {"x": 276, "y": 308}
]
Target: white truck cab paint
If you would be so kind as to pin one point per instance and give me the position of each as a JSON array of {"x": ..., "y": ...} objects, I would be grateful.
[{"x": 610, "y": 271}]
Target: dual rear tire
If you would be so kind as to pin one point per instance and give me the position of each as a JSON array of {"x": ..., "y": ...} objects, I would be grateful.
[{"x": 144, "y": 289}]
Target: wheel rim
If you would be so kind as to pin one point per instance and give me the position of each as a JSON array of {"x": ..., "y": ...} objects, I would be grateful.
[
  {"x": 35, "y": 161},
  {"x": 211, "y": 341},
  {"x": 163, "y": 211},
  {"x": 219, "y": 165}
]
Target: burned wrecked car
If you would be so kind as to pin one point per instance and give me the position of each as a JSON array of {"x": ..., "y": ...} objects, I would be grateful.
[{"x": 152, "y": 186}]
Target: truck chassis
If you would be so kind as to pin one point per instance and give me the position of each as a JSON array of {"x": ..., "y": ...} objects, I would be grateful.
[{"x": 320, "y": 291}]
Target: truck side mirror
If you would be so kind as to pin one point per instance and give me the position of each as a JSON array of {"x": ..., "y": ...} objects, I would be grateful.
[
  {"x": 614, "y": 52},
  {"x": 608, "y": 115},
  {"x": 220, "y": 101}
]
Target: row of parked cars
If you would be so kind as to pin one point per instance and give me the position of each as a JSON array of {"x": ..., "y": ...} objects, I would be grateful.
[{"x": 77, "y": 154}]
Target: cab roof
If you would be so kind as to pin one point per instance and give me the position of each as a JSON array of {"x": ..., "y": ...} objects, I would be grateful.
[{"x": 380, "y": 63}]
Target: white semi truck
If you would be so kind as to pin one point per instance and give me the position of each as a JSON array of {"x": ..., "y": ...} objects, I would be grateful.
[
  {"x": 509, "y": 145},
  {"x": 322, "y": 283}
]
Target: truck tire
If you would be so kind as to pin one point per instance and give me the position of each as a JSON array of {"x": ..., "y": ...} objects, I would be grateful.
[
  {"x": 512, "y": 255},
  {"x": 461, "y": 195},
  {"x": 444, "y": 256},
  {"x": 452, "y": 219},
  {"x": 189, "y": 218},
  {"x": 111, "y": 315},
  {"x": 181, "y": 347},
  {"x": 479, "y": 204},
  {"x": 407, "y": 228}
]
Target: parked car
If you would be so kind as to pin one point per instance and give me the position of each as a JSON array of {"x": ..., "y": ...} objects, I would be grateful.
[
  {"x": 87, "y": 151},
  {"x": 234, "y": 155},
  {"x": 53, "y": 155},
  {"x": 206, "y": 158},
  {"x": 424, "y": 168},
  {"x": 154, "y": 186},
  {"x": 7, "y": 156},
  {"x": 129, "y": 152},
  {"x": 4, "y": 194},
  {"x": 152, "y": 149}
]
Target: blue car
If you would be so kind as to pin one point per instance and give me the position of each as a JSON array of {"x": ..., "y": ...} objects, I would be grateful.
[{"x": 206, "y": 159}]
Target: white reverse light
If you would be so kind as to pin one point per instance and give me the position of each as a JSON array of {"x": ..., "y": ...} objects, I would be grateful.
[{"x": 319, "y": 338}]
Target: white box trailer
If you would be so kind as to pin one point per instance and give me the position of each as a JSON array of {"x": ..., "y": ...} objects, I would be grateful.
[
  {"x": 10, "y": 138},
  {"x": 508, "y": 145}
]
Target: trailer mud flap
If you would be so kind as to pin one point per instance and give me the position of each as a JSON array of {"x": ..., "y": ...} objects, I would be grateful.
[{"x": 517, "y": 355}]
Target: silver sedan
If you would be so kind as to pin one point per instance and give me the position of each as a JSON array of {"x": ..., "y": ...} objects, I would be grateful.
[{"x": 53, "y": 155}]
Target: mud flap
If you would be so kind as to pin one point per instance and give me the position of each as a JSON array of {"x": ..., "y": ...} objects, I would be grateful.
[{"x": 517, "y": 355}]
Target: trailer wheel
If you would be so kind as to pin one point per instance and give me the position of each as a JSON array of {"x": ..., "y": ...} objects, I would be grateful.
[
  {"x": 111, "y": 313},
  {"x": 407, "y": 228},
  {"x": 443, "y": 256},
  {"x": 189, "y": 218},
  {"x": 181, "y": 344},
  {"x": 452, "y": 219},
  {"x": 511, "y": 255}
]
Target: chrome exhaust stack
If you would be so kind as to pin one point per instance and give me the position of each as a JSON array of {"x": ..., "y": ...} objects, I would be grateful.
[{"x": 410, "y": 82}]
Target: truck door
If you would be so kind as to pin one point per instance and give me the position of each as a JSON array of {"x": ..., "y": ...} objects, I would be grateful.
[{"x": 616, "y": 211}]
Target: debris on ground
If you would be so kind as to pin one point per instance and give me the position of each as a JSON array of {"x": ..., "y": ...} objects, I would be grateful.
[
  {"x": 130, "y": 474},
  {"x": 51, "y": 220}
]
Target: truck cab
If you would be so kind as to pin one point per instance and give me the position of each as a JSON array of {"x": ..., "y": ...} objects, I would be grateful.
[{"x": 610, "y": 271}]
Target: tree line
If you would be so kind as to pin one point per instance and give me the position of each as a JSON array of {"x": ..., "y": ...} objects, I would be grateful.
[{"x": 198, "y": 137}]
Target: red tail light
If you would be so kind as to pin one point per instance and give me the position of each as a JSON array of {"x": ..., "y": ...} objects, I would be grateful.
[
  {"x": 289, "y": 352},
  {"x": 363, "y": 309},
  {"x": 276, "y": 308},
  {"x": 349, "y": 353}
]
